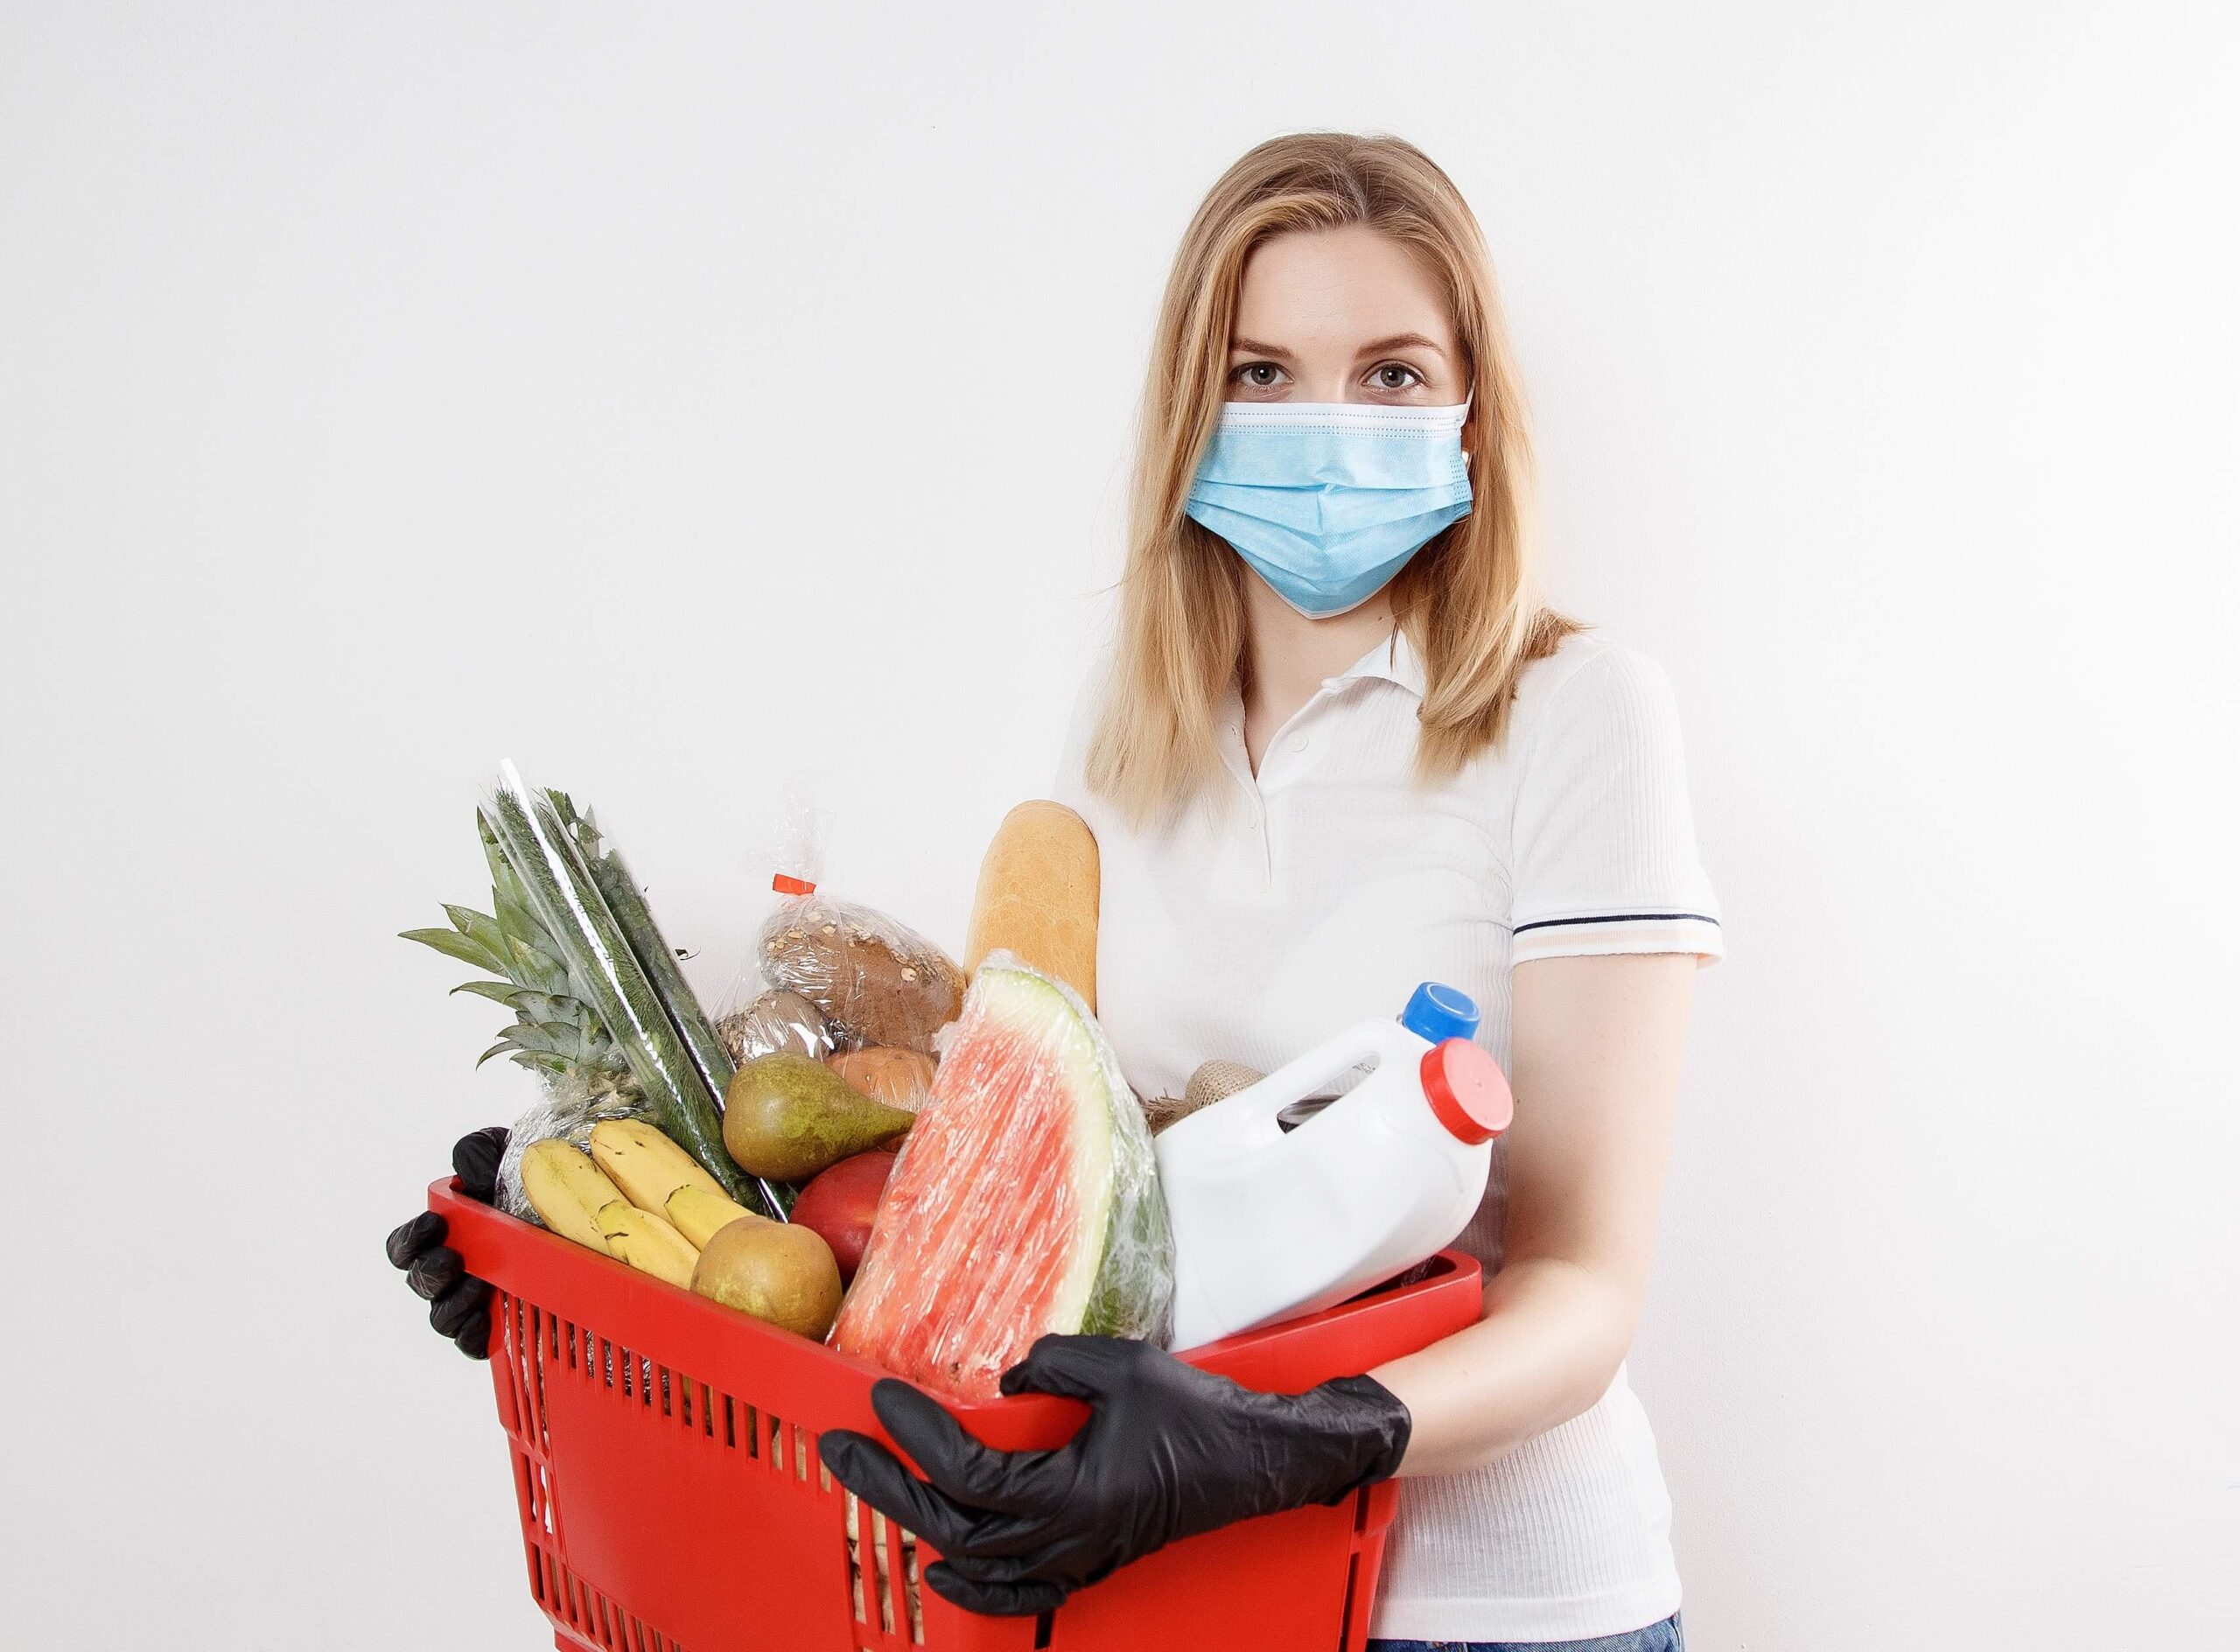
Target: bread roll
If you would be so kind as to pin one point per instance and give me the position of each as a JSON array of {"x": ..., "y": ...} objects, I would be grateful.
[{"x": 1038, "y": 896}]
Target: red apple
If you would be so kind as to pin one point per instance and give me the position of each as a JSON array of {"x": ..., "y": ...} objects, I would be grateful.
[{"x": 838, "y": 1205}]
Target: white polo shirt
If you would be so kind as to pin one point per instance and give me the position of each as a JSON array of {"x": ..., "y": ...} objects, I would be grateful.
[{"x": 1317, "y": 894}]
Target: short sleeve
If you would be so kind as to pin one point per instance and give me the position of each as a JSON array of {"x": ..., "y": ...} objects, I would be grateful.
[{"x": 1603, "y": 843}]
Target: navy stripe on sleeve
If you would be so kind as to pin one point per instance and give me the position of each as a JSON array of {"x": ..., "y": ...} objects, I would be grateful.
[{"x": 1615, "y": 917}]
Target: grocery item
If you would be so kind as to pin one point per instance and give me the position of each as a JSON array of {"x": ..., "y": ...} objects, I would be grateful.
[
  {"x": 1025, "y": 1200},
  {"x": 900, "y": 1078},
  {"x": 568, "y": 1111},
  {"x": 840, "y": 1203},
  {"x": 554, "y": 1033},
  {"x": 699, "y": 1215},
  {"x": 777, "y": 1020},
  {"x": 1038, "y": 896},
  {"x": 788, "y": 1118},
  {"x": 646, "y": 1164},
  {"x": 568, "y": 1190},
  {"x": 877, "y": 982},
  {"x": 1212, "y": 1081},
  {"x": 540, "y": 844},
  {"x": 648, "y": 1243},
  {"x": 1271, "y": 1224},
  {"x": 780, "y": 1272}
]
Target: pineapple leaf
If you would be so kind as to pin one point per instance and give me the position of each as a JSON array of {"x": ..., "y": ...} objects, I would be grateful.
[
  {"x": 544, "y": 1040},
  {"x": 496, "y": 991},
  {"x": 455, "y": 945},
  {"x": 478, "y": 927},
  {"x": 514, "y": 916},
  {"x": 533, "y": 968},
  {"x": 500, "y": 1047}
]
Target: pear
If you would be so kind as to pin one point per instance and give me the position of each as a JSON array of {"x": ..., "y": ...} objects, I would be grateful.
[
  {"x": 776, "y": 1271},
  {"x": 787, "y": 1117}
]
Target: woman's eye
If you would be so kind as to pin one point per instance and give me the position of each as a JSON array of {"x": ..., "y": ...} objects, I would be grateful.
[
  {"x": 1395, "y": 376},
  {"x": 1261, "y": 375}
]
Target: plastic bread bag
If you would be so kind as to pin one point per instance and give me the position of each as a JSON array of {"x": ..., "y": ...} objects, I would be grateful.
[
  {"x": 1025, "y": 1200},
  {"x": 567, "y": 1110},
  {"x": 877, "y": 982},
  {"x": 775, "y": 1021}
]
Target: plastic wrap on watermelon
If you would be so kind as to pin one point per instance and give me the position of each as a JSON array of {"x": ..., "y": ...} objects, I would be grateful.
[
  {"x": 877, "y": 982},
  {"x": 1025, "y": 1200}
]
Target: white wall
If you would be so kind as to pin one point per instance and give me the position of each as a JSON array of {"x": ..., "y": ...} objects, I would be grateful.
[{"x": 653, "y": 394}]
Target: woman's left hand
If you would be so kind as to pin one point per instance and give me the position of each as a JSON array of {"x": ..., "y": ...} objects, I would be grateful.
[{"x": 1168, "y": 1450}]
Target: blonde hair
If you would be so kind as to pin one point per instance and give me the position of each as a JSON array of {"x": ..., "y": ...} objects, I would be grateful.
[{"x": 1469, "y": 600}]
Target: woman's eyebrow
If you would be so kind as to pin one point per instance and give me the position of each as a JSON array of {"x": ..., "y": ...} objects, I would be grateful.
[
  {"x": 1374, "y": 346},
  {"x": 1401, "y": 341}
]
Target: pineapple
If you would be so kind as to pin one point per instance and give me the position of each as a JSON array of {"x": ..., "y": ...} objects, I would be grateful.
[{"x": 555, "y": 1034}]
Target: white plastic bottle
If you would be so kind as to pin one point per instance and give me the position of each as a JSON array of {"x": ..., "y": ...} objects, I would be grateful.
[{"x": 1271, "y": 1224}]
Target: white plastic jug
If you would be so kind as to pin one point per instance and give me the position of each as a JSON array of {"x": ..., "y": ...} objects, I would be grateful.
[{"x": 1270, "y": 1225}]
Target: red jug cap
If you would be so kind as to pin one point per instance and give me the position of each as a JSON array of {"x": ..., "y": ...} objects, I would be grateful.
[{"x": 1467, "y": 1091}]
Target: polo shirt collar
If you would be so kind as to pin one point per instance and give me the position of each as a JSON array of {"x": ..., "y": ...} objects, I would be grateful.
[{"x": 1396, "y": 661}]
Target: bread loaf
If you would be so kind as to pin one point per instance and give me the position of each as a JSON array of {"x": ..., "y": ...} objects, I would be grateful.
[{"x": 1038, "y": 896}]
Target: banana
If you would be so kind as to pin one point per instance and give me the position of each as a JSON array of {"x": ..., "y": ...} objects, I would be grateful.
[
  {"x": 697, "y": 1213},
  {"x": 646, "y": 1164},
  {"x": 647, "y": 1243},
  {"x": 567, "y": 1190}
]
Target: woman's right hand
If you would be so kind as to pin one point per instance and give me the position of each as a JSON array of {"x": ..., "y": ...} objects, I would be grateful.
[{"x": 458, "y": 1303}]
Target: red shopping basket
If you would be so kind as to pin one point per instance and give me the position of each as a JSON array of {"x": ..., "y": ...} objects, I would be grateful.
[{"x": 664, "y": 1453}]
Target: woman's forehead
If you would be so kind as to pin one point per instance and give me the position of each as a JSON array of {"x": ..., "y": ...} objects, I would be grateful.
[{"x": 1305, "y": 290}]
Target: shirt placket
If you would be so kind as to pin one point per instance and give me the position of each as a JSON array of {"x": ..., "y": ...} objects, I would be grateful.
[{"x": 1283, "y": 763}]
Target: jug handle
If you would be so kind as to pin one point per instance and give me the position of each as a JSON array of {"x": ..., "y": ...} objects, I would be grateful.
[{"x": 1289, "y": 1083}]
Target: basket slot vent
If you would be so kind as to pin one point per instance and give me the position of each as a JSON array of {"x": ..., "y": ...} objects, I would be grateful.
[
  {"x": 911, "y": 1602},
  {"x": 854, "y": 1524},
  {"x": 1044, "y": 1622},
  {"x": 777, "y": 1443},
  {"x": 881, "y": 1576},
  {"x": 801, "y": 1452}
]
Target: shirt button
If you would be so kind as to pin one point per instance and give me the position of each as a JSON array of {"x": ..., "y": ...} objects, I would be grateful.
[{"x": 1298, "y": 742}]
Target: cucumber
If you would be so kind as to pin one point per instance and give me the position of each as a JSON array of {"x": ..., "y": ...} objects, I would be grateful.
[
  {"x": 602, "y": 859},
  {"x": 607, "y": 975}
]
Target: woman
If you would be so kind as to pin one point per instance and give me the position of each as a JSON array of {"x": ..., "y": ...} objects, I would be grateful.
[{"x": 1342, "y": 747}]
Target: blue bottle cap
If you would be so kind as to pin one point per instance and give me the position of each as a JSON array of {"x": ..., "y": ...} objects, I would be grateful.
[{"x": 1437, "y": 1012}]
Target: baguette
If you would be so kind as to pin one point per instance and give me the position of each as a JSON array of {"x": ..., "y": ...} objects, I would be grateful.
[{"x": 1038, "y": 896}]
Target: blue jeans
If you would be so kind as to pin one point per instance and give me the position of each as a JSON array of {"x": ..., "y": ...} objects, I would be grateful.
[{"x": 1658, "y": 1637}]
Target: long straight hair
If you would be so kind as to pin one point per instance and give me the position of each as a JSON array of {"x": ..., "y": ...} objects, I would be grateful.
[{"x": 1469, "y": 601}]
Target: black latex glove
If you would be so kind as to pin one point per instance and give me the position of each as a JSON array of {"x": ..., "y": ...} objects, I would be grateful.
[
  {"x": 1169, "y": 1451},
  {"x": 458, "y": 1303}
]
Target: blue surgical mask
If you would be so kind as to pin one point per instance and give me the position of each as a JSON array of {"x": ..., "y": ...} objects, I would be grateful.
[{"x": 1327, "y": 501}]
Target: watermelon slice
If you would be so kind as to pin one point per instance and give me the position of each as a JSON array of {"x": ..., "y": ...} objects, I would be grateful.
[{"x": 1025, "y": 1199}]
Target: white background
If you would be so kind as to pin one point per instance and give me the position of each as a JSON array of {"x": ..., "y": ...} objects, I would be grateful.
[{"x": 662, "y": 395}]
